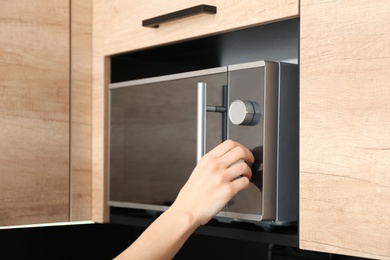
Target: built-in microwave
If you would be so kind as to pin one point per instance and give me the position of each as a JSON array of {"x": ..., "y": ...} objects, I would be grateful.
[{"x": 159, "y": 127}]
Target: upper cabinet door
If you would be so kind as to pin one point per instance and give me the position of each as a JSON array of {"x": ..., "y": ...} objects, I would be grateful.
[
  {"x": 123, "y": 30},
  {"x": 34, "y": 112},
  {"x": 345, "y": 127}
]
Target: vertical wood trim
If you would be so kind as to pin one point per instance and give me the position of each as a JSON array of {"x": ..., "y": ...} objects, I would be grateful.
[
  {"x": 34, "y": 112},
  {"x": 100, "y": 72},
  {"x": 81, "y": 110},
  {"x": 345, "y": 126}
]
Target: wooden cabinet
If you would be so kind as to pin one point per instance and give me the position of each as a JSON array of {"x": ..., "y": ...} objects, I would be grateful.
[
  {"x": 81, "y": 110},
  {"x": 34, "y": 113},
  {"x": 42, "y": 66},
  {"x": 344, "y": 81},
  {"x": 123, "y": 31},
  {"x": 48, "y": 109},
  {"x": 345, "y": 125},
  {"x": 117, "y": 28}
]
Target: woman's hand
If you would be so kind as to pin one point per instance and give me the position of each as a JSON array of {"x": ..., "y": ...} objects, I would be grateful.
[{"x": 219, "y": 175}]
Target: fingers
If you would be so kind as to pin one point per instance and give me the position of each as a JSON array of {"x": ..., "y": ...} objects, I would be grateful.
[
  {"x": 233, "y": 156},
  {"x": 223, "y": 148},
  {"x": 240, "y": 169},
  {"x": 232, "y": 152},
  {"x": 239, "y": 184},
  {"x": 237, "y": 154}
]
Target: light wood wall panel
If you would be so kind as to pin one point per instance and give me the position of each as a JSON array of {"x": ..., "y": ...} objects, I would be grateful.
[
  {"x": 100, "y": 81},
  {"x": 34, "y": 111},
  {"x": 81, "y": 110},
  {"x": 345, "y": 126}
]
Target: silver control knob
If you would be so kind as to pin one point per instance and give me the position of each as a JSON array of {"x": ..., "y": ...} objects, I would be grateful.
[{"x": 244, "y": 112}]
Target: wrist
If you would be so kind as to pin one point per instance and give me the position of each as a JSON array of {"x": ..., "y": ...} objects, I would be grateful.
[{"x": 184, "y": 217}]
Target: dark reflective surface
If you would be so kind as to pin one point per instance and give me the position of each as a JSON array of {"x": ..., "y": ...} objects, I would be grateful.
[{"x": 153, "y": 137}]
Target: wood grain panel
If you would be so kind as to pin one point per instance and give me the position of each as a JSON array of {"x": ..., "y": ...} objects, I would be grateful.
[
  {"x": 100, "y": 81},
  {"x": 81, "y": 110},
  {"x": 34, "y": 112},
  {"x": 123, "y": 20},
  {"x": 345, "y": 126}
]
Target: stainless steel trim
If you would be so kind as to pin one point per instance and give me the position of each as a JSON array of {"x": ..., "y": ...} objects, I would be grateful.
[
  {"x": 137, "y": 205},
  {"x": 247, "y": 65},
  {"x": 109, "y": 144},
  {"x": 240, "y": 216},
  {"x": 201, "y": 121},
  {"x": 176, "y": 76},
  {"x": 270, "y": 140},
  {"x": 278, "y": 143},
  {"x": 216, "y": 109},
  {"x": 225, "y": 93}
]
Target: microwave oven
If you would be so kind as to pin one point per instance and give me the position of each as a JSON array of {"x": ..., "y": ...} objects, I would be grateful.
[{"x": 159, "y": 127}]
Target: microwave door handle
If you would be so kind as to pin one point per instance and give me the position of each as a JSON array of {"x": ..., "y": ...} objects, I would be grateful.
[
  {"x": 201, "y": 121},
  {"x": 202, "y": 109}
]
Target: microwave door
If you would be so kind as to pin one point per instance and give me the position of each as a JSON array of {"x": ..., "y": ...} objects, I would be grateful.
[
  {"x": 152, "y": 136},
  {"x": 251, "y": 122}
]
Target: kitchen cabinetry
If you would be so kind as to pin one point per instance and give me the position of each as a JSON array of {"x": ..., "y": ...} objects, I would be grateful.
[
  {"x": 45, "y": 60},
  {"x": 345, "y": 121},
  {"x": 46, "y": 103},
  {"x": 117, "y": 28},
  {"x": 121, "y": 21},
  {"x": 81, "y": 110},
  {"x": 344, "y": 58}
]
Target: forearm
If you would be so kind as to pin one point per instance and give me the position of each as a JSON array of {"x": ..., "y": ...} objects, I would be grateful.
[{"x": 163, "y": 238}]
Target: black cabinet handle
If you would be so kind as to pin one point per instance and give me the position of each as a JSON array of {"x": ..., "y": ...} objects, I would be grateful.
[{"x": 156, "y": 21}]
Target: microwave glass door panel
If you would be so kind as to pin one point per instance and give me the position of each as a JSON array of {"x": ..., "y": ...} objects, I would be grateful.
[{"x": 153, "y": 132}]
